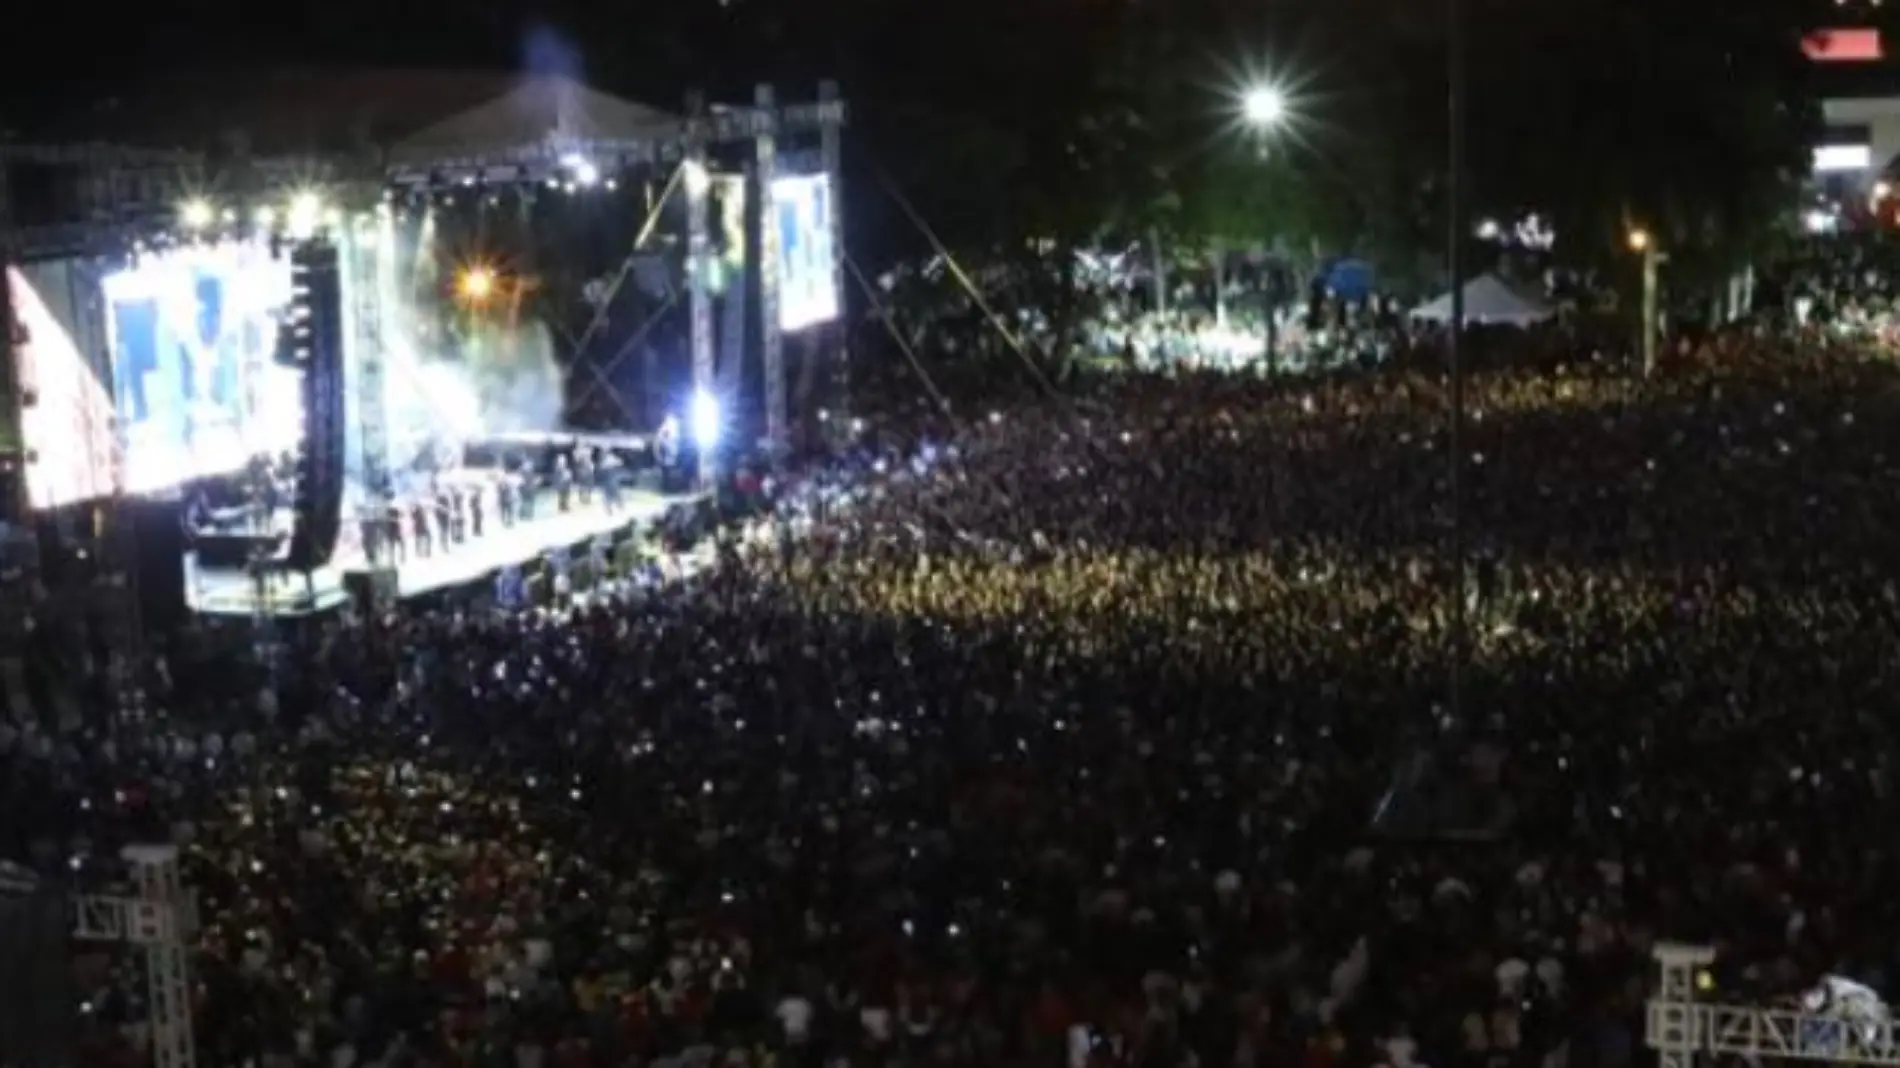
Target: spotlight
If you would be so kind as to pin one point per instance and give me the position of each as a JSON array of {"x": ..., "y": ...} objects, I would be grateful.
[
  {"x": 196, "y": 213},
  {"x": 584, "y": 172},
  {"x": 704, "y": 415},
  {"x": 1263, "y": 106},
  {"x": 476, "y": 284},
  {"x": 266, "y": 218},
  {"x": 304, "y": 215},
  {"x": 697, "y": 180}
]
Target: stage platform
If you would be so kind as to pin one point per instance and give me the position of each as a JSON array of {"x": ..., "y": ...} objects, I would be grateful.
[{"x": 227, "y": 592}]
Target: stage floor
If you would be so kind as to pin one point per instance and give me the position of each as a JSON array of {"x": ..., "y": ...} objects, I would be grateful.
[{"x": 229, "y": 592}]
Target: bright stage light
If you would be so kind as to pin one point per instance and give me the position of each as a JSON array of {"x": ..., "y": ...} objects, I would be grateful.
[
  {"x": 304, "y": 215},
  {"x": 1263, "y": 106},
  {"x": 1834, "y": 159},
  {"x": 704, "y": 415},
  {"x": 196, "y": 213},
  {"x": 583, "y": 171},
  {"x": 476, "y": 284},
  {"x": 696, "y": 177},
  {"x": 266, "y": 218}
]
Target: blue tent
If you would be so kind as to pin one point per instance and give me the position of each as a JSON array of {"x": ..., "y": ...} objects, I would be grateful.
[{"x": 1349, "y": 279}]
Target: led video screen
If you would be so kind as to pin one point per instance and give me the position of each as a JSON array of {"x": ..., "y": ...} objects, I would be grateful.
[
  {"x": 66, "y": 417},
  {"x": 193, "y": 334},
  {"x": 808, "y": 292}
]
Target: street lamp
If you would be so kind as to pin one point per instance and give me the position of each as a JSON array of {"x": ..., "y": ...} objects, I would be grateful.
[
  {"x": 1643, "y": 244},
  {"x": 1263, "y": 108}
]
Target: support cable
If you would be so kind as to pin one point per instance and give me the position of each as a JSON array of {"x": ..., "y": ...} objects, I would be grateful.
[
  {"x": 890, "y": 325},
  {"x": 963, "y": 278},
  {"x": 626, "y": 266}
]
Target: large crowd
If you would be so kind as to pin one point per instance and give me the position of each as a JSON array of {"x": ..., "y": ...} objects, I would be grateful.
[{"x": 1065, "y": 734}]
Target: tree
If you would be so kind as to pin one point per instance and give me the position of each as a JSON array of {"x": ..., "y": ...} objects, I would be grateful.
[{"x": 1011, "y": 121}]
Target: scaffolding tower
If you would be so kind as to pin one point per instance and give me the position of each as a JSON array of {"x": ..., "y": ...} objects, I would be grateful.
[
  {"x": 158, "y": 921},
  {"x": 1681, "y": 1025}
]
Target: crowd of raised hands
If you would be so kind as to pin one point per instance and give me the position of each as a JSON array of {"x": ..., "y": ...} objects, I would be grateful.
[{"x": 1058, "y": 737}]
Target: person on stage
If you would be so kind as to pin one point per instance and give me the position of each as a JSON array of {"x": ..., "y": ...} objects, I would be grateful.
[
  {"x": 458, "y": 512},
  {"x": 419, "y": 527},
  {"x": 607, "y": 473},
  {"x": 392, "y": 530},
  {"x": 475, "y": 510},
  {"x": 584, "y": 467},
  {"x": 444, "y": 518},
  {"x": 525, "y": 491},
  {"x": 369, "y": 522},
  {"x": 666, "y": 443},
  {"x": 505, "y": 498},
  {"x": 563, "y": 484}
]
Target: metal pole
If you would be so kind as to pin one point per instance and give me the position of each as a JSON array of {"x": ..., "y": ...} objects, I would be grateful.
[
  {"x": 831, "y": 150},
  {"x": 1273, "y": 321},
  {"x": 1454, "y": 255},
  {"x": 1650, "y": 260}
]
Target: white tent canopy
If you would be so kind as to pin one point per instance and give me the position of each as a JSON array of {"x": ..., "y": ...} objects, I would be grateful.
[
  {"x": 537, "y": 112},
  {"x": 1488, "y": 300}
]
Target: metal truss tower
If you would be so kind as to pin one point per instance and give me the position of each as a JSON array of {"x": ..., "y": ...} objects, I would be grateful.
[
  {"x": 771, "y": 338},
  {"x": 158, "y": 920},
  {"x": 1681, "y": 1025},
  {"x": 369, "y": 274},
  {"x": 369, "y": 278},
  {"x": 698, "y": 183}
]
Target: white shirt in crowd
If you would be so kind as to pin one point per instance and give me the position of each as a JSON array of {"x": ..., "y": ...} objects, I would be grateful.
[
  {"x": 1079, "y": 1046},
  {"x": 1511, "y": 975},
  {"x": 794, "y": 1014},
  {"x": 877, "y": 1022}
]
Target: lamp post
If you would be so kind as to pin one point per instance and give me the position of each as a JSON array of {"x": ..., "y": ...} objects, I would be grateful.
[
  {"x": 1455, "y": 234},
  {"x": 1263, "y": 108},
  {"x": 1644, "y": 245}
]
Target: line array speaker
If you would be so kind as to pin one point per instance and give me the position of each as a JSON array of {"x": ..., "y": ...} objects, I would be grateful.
[{"x": 316, "y": 348}]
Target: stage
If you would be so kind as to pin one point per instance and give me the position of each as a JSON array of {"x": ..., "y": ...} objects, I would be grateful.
[{"x": 231, "y": 592}]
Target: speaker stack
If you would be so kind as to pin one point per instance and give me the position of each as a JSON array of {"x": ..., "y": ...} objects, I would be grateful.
[{"x": 315, "y": 347}]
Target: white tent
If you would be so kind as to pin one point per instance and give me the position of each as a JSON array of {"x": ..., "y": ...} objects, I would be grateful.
[
  {"x": 536, "y": 113},
  {"x": 1488, "y": 300}
]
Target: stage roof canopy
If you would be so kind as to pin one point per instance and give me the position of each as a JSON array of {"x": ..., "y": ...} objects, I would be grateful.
[
  {"x": 314, "y": 112},
  {"x": 534, "y": 112}
]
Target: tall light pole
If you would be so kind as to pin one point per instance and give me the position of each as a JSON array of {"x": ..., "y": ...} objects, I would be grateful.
[
  {"x": 1263, "y": 108},
  {"x": 1454, "y": 362},
  {"x": 1644, "y": 245}
]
